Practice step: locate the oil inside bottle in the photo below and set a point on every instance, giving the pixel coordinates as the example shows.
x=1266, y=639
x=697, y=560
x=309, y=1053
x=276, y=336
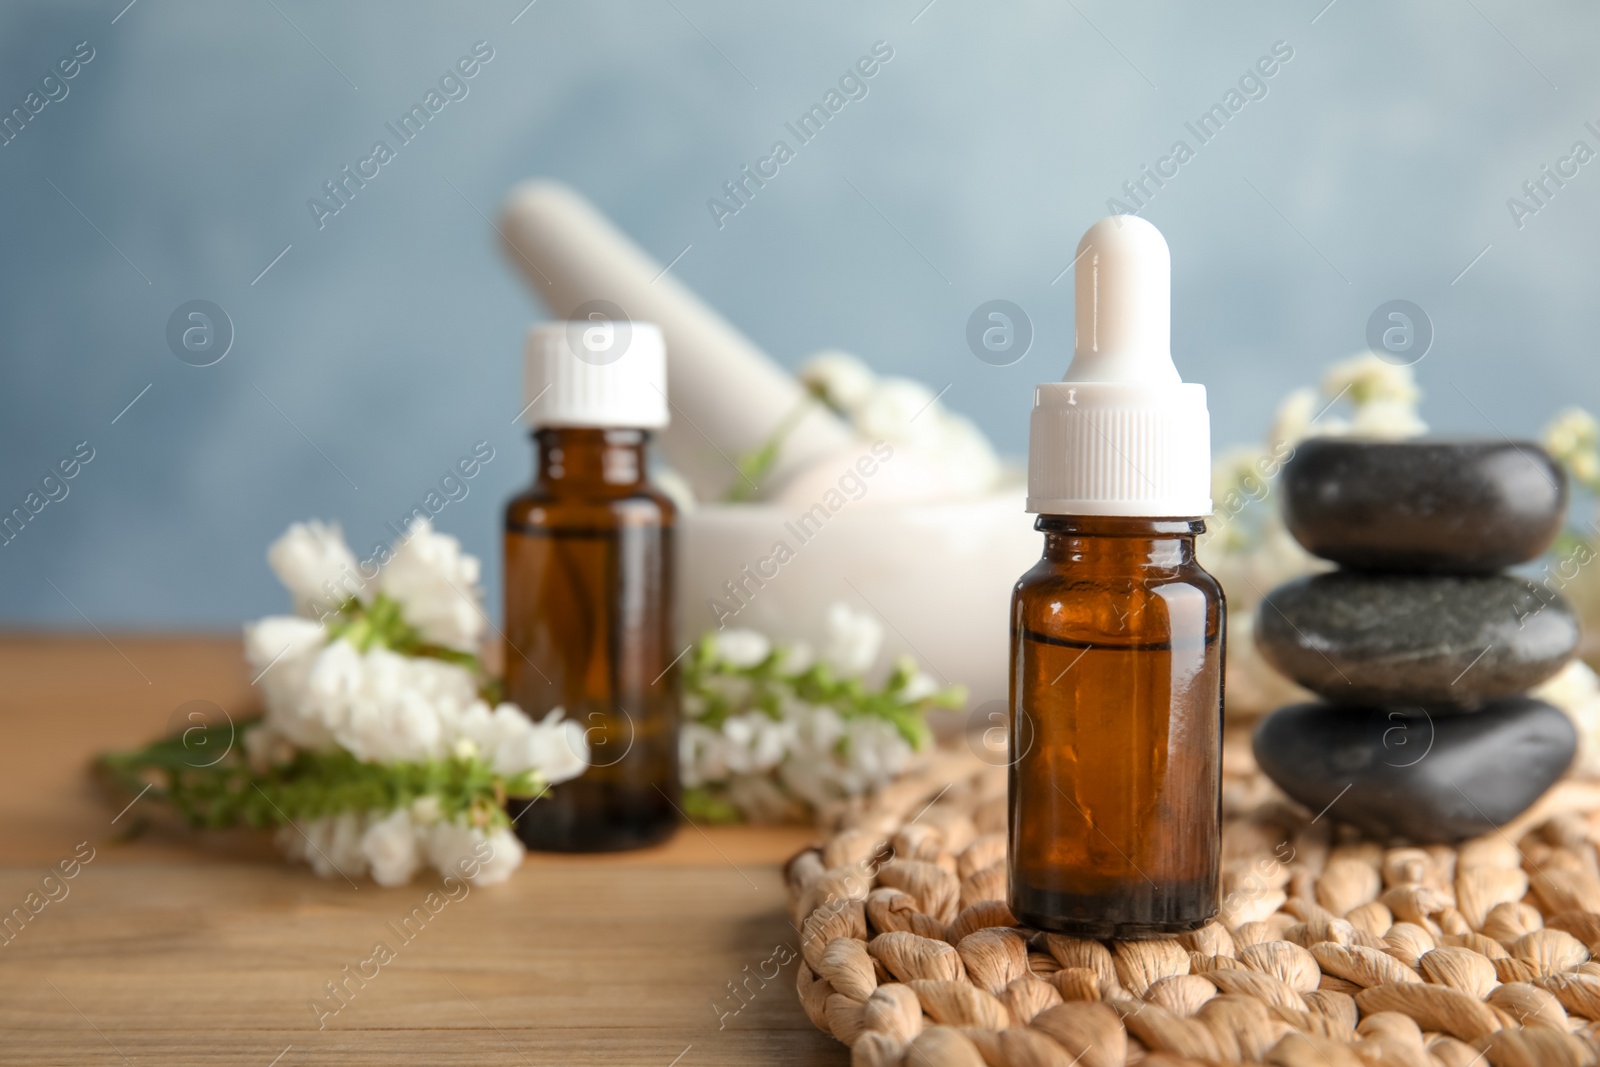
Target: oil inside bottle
x=1116, y=732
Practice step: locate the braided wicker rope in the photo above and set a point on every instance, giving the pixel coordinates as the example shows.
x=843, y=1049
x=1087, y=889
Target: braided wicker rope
x=1330, y=951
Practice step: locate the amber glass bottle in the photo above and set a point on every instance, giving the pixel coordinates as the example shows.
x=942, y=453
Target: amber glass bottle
x=1117, y=633
x=588, y=610
x=1117, y=646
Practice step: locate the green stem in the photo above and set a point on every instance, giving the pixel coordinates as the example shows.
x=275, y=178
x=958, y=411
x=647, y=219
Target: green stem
x=216, y=794
x=756, y=464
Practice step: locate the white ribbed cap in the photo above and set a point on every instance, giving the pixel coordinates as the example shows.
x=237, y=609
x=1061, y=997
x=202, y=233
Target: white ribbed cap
x=595, y=373
x=1122, y=434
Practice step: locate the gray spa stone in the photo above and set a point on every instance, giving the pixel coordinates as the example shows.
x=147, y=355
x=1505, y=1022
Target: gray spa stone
x=1465, y=507
x=1438, y=641
x=1428, y=779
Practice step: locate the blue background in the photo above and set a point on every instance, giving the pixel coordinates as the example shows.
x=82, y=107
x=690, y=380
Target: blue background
x=379, y=348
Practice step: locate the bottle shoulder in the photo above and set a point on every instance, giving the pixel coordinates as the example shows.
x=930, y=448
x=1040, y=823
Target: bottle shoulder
x=1050, y=577
x=1076, y=602
x=644, y=505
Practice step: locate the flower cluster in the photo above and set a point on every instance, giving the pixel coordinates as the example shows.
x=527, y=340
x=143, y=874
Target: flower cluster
x=381, y=746
x=392, y=847
x=907, y=414
x=1383, y=404
x=774, y=734
x=1573, y=438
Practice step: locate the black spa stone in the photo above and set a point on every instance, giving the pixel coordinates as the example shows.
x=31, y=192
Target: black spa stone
x=1429, y=779
x=1464, y=507
x=1438, y=641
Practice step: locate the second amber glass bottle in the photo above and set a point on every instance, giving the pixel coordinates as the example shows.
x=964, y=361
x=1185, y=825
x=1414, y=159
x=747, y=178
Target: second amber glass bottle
x=1115, y=827
x=588, y=587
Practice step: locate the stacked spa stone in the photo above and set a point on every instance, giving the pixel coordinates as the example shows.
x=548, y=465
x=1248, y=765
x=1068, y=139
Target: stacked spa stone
x=1420, y=646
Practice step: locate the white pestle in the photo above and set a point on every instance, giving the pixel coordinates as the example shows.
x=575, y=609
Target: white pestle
x=727, y=396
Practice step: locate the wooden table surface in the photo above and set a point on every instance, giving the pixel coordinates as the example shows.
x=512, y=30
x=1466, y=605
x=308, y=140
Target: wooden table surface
x=175, y=949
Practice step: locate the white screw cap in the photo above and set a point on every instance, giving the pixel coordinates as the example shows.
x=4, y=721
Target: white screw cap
x=595, y=373
x=1122, y=434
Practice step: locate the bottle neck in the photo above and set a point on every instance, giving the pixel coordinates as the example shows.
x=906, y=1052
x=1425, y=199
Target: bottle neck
x=1119, y=540
x=589, y=461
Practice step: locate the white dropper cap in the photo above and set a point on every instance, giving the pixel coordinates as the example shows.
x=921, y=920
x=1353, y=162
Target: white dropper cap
x=595, y=373
x=1122, y=434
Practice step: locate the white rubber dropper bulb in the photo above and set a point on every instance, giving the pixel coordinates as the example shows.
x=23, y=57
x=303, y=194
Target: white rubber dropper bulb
x=1123, y=326
x=1122, y=433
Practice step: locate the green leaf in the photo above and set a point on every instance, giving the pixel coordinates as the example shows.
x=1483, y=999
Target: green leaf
x=382, y=624
x=756, y=464
x=228, y=792
x=701, y=805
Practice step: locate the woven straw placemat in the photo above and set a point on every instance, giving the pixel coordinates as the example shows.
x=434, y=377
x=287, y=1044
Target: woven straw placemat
x=1330, y=951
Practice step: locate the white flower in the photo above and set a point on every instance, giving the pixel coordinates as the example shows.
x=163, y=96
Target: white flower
x=437, y=586
x=318, y=568
x=331, y=845
x=797, y=657
x=281, y=650
x=425, y=810
x=817, y=727
x=511, y=743
x=1572, y=430
x=740, y=731
x=755, y=742
x=1573, y=438
x=402, y=709
x=456, y=848
x=950, y=454
x=843, y=381
x=390, y=847
x=1367, y=378
x=702, y=754
x=1293, y=422
x=740, y=648
x=771, y=743
x=774, y=755
x=277, y=637
x=505, y=857
x=448, y=845
x=384, y=707
x=310, y=842
x=920, y=686
x=1389, y=419
x=875, y=752
x=853, y=640
x=344, y=845
x=835, y=758
x=895, y=411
